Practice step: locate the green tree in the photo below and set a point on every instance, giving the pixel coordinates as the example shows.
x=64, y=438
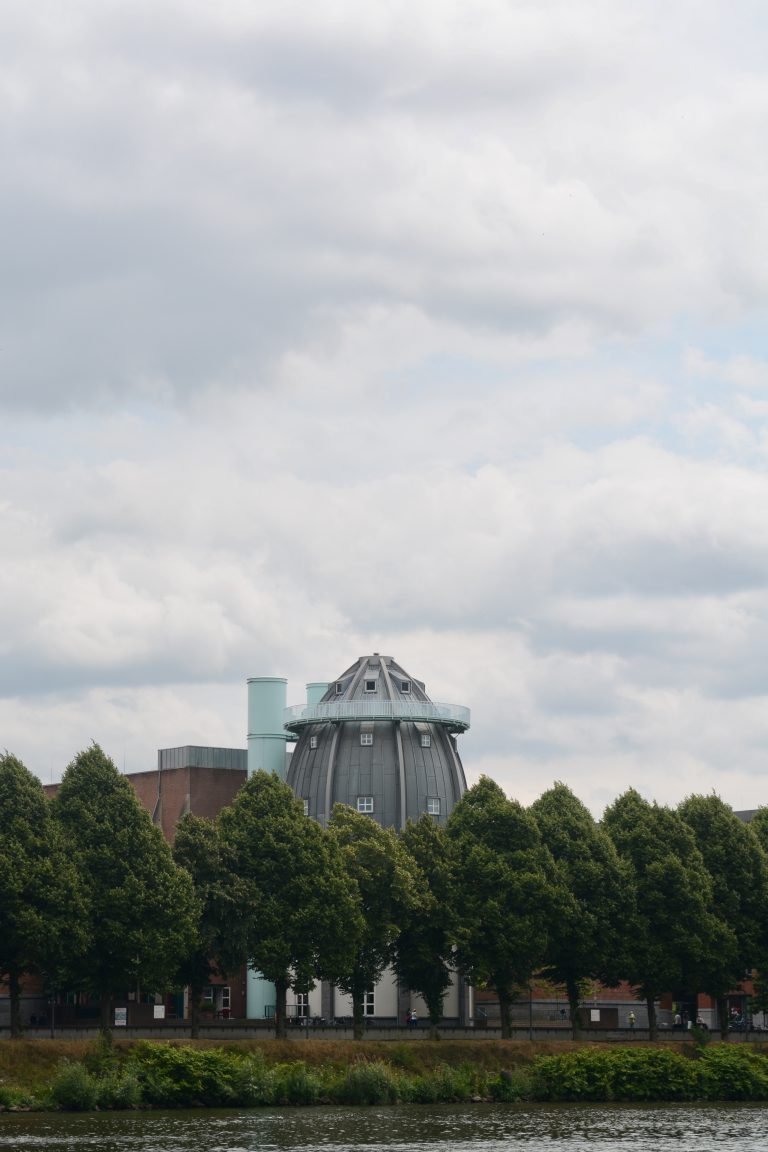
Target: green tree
x=738, y=867
x=39, y=896
x=507, y=890
x=210, y=951
x=296, y=917
x=673, y=935
x=139, y=905
x=425, y=945
x=389, y=888
x=759, y=827
x=587, y=932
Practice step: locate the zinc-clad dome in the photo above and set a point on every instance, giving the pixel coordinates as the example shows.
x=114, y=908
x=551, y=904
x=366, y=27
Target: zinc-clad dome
x=377, y=742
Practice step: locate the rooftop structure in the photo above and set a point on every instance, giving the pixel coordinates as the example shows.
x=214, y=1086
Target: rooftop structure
x=373, y=739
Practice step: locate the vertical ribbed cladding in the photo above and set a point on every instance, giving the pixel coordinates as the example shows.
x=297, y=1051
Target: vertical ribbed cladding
x=398, y=769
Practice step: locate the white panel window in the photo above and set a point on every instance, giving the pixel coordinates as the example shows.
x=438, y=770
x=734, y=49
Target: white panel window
x=426, y=740
x=365, y=803
x=226, y=998
x=370, y=685
x=366, y=739
x=369, y=1003
x=208, y=996
x=433, y=805
x=302, y=1005
x=306, y=807
x=313, y=741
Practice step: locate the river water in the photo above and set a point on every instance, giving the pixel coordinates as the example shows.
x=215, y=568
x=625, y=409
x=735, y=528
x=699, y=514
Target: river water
x=445, y=1128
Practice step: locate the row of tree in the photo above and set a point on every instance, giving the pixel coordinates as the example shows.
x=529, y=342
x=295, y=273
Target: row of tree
x=92, y=897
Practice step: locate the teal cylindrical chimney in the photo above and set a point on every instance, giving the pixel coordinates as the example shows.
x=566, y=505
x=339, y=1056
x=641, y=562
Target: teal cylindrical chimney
x=266, y=735
x=266, y=752
x=315, y=692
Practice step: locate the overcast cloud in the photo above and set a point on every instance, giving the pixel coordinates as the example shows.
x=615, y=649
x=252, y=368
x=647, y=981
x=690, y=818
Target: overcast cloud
x=434, y=329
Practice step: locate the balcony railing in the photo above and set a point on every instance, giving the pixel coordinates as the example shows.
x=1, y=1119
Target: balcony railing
x=453, y=716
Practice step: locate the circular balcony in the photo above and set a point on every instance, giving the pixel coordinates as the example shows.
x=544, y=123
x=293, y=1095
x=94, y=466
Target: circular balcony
x=452, y=716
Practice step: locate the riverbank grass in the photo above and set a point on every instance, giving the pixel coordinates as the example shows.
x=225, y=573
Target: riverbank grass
x=154, y=1074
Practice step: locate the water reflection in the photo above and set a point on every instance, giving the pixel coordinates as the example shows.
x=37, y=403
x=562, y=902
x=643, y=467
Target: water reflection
x=447, y=1128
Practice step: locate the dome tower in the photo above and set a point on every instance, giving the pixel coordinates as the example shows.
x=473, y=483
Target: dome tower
x=375, y=741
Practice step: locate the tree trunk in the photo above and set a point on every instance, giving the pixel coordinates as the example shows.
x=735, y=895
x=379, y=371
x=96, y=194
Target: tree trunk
x=573, y=1006
x=281, y=997
x=723, y=1018
x=434, y=1015
x=652, y=1026
x=358, y=1020
x=195, y=995
x=505, y=1012
x=14, y=990
x=107, y=1016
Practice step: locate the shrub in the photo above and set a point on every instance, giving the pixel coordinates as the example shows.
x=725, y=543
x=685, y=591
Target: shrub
x=296, y=1084
x=582, y=1075
x=368, y=1083
x=442, y=1085
x=74, y=1089
x=118, y=1090
x=653, y=1074
x=253, y=1084
x=731, y=1073
x=616, y=1074
x=510, y=1086
x=181, y=1077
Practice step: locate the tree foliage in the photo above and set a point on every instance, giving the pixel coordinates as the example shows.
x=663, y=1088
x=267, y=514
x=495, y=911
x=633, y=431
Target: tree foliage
x=738, y=869
x=424, y=955
x=387, y=883
x=210, y=951
x=587, y=932
x=296, y=917
x=507, y=889
x=40, y=922
x=139, y=907
x=673, y=935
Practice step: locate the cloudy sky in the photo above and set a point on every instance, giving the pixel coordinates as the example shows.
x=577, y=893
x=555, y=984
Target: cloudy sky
x=434, y=328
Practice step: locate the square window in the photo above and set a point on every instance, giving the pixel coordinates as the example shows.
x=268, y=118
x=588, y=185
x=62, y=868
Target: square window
x=433, y=805
x=306, y=807
x=366, y=739
x=370, y=685
x=313, y=741
x=405, y=686
x=365, y=803
x=426, y=740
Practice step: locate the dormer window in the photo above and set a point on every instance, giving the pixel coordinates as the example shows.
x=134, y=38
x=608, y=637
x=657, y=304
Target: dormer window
x=370, y=685
x=405, y=686
x=339, y=687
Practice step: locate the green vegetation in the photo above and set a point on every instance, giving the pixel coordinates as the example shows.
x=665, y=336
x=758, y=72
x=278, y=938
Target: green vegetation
x=139, y=908
x=249, y=1075
x=92, y=899
x=507, y=888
